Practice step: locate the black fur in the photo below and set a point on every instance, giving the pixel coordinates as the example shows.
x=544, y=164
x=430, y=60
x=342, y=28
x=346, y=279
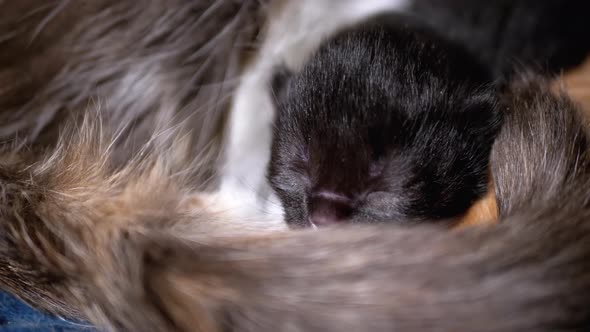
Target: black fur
x=508, y=35
x=387, y=121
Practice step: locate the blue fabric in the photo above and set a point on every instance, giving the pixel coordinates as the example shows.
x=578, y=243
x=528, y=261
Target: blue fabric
x=16, y=316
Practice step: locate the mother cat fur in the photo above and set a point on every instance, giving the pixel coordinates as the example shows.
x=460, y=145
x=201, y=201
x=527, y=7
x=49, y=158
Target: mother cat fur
x=121, y=237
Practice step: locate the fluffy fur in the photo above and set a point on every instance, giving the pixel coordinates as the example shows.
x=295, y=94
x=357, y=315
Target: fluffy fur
x=102, y=221
x=530, y=272
x=148, y=66
x=134, y=258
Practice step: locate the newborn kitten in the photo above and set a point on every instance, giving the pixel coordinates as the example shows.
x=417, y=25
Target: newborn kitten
x=504, y=35
x=386, y=122
x=293, y=30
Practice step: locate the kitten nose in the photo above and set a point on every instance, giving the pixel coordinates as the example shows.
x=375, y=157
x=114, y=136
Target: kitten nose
x=326, y=211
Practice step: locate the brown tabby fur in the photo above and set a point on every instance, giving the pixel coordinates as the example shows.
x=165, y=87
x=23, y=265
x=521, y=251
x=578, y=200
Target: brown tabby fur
x=105, y=223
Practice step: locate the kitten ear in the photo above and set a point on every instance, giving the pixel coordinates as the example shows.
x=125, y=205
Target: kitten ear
x=279, y=82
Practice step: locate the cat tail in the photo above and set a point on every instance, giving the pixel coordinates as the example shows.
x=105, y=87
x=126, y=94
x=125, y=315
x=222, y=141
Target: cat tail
x=64, y=213
x=530, y=272
x=118, y=247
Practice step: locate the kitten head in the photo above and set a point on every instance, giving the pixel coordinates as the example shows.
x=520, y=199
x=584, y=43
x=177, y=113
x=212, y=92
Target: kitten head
x=382, y=125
